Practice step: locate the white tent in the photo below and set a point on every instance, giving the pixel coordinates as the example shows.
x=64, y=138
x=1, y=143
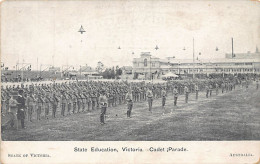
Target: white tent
x=169, y=74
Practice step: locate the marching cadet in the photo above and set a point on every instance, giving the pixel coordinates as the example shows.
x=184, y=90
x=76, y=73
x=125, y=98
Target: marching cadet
x=54, y=105
x=186, y=91
x=47, y=106
x=63, y=103
x=257, y=84
x=207, y=91
x=103, y=106
x=150, y=99
x=129, y=99
x=217, y=87
x=21, y=107
x=39, y=107
x=196, y=90
x=30, y=104
x=163, y=100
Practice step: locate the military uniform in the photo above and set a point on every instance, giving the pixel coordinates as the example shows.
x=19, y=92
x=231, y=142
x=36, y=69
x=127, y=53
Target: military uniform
x=163, y=93
x=207, y=91
x=103, y=106
x=54, y=105
x=186, y=91
x=176, y=94
x=21, y=109
x=39, y=107
x=63, y=104
x=30, y=104
x=197, y=91
x=129, y=99
x=150, y=99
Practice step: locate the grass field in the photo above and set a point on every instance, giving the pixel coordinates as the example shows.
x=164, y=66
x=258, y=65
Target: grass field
x=230, y=116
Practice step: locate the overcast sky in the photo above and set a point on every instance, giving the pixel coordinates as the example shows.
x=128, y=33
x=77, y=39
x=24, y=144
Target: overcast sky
x=31, y=30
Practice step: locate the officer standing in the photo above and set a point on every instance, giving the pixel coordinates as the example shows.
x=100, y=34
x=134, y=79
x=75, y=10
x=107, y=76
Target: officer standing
x=257, y=84
x=210, y=89
x=207, y=91
x=217, y=87
x=163, y=99
x=197, y=91
x=21, y=108
x=103, y=106
x=129, y=99
x=150, y=99
x=186, y=91
x=175, y=94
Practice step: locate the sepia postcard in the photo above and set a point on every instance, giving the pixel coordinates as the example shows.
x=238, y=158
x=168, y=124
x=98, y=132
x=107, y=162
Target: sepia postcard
x=126, y=81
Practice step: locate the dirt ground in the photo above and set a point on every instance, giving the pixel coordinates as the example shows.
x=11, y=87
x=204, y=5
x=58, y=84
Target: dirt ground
x=233, y=115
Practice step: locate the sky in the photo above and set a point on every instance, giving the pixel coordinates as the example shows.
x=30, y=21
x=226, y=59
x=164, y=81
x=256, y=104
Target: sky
x=47, y=31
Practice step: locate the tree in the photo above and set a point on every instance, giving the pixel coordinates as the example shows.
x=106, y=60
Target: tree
x=100, y=67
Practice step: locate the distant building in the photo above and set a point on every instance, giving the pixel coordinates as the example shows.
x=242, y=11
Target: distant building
x=247, y=55
x=87, y=70
x=54, y=69
x=153, y=67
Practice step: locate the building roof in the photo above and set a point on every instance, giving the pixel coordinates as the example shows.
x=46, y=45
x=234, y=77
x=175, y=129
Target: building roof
x=220, y=60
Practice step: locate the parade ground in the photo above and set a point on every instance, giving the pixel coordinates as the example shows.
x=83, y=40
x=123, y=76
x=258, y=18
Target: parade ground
x=230, y=116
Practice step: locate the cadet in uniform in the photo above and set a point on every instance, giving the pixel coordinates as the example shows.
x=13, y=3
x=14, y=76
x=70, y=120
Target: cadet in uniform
x=74, y=100
x=176, y=94
x=54, y=105
x=150, y=99
x=47, y=106
x=63, y=103
x=69, y=103
x=197, y=91
x=217, y=87
x=21, y=108
x=39, y=107
x=30, y=104
x=186, y=91
x=103, y=106
x=163, y=100
x=129, y=99
x=207, y=91
x=210, y=90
